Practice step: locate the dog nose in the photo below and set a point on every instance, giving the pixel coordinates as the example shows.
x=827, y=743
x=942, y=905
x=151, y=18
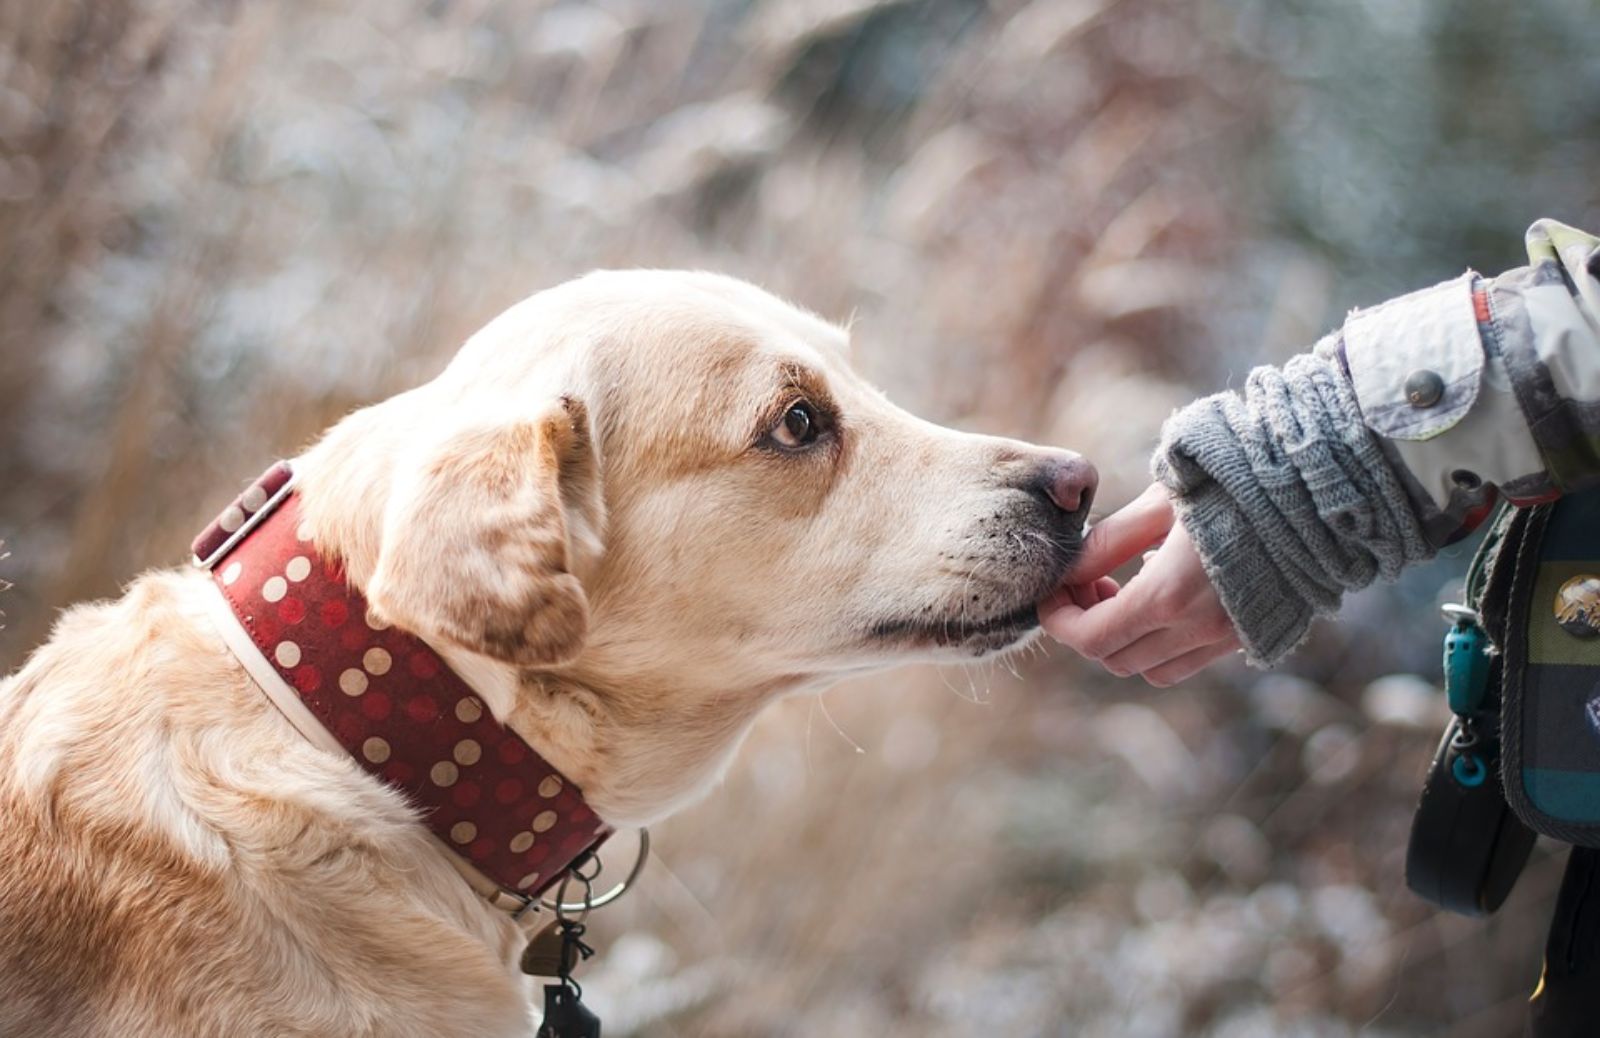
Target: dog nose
x=1069, y=481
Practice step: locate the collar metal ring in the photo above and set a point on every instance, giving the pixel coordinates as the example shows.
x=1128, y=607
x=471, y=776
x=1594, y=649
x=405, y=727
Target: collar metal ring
x=573, y=907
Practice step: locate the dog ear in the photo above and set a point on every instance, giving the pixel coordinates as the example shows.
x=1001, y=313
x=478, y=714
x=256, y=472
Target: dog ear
x=477, y=541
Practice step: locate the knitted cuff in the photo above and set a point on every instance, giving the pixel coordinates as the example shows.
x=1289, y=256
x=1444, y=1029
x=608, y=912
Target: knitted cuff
x=1288, y=498
x=1272, y=619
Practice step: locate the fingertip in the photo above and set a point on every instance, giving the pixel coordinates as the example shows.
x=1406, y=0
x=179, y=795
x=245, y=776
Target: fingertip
x=1057, y=618
x=1123, y=535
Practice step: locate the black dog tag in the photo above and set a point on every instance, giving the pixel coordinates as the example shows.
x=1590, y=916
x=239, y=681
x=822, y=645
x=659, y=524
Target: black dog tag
x=565, y=1015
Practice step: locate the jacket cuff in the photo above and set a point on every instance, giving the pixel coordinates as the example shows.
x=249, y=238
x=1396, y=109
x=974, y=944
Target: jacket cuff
x=1416, y=362
x=1431, y=379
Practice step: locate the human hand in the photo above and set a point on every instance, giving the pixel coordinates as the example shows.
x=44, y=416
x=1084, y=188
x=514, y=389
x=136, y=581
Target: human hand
x=1166, y=624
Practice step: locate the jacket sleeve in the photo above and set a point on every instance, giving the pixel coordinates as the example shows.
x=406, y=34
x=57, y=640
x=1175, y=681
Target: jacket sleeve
x=1483, y=385
x=1394, y=436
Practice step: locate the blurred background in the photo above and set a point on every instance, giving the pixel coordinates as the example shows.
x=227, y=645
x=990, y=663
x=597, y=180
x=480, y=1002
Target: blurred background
x=226, y=224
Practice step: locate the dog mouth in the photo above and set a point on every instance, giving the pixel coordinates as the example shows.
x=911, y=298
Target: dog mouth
x=979, y=620
x=979, y=634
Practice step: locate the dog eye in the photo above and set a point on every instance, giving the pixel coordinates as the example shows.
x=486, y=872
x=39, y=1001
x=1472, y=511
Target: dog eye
x=798, y=428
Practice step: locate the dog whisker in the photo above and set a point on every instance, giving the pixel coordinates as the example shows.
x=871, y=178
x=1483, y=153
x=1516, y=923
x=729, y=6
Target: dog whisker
x=823, y=703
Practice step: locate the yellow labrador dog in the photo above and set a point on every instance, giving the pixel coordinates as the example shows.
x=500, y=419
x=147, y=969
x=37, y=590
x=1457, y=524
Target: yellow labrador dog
x=634, y=510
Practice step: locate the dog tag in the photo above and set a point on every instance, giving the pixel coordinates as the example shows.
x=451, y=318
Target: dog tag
x=565, y=1015
x=548, y=954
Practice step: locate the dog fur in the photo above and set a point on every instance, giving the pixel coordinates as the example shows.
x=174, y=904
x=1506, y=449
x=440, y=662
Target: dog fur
x=588, y=515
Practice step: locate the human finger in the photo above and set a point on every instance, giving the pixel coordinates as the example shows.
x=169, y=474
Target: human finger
x=1086, y=596
x=1083, y=596
x=1101, y=630
x=1123, y=534
x=1191, y=663
x=1160, y=646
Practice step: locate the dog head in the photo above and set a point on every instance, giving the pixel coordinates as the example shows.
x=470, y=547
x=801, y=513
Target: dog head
x=668, y=490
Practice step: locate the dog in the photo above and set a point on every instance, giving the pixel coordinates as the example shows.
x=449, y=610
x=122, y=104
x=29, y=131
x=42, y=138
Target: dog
x=632, y=511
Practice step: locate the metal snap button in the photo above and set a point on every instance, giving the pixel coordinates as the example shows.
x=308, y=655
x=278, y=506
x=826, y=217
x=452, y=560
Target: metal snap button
x=1578, y=606
x=1424, y=388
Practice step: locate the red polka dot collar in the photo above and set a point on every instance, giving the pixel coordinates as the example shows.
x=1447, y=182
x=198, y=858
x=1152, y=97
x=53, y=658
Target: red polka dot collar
x=351, y=683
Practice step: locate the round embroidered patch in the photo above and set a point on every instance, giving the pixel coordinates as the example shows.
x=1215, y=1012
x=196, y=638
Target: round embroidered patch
x=1578, y=606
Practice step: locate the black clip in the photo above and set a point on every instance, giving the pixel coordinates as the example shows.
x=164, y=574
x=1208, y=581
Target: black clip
x=565, y=1015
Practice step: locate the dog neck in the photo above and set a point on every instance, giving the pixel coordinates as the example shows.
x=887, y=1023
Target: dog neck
x=644, y=751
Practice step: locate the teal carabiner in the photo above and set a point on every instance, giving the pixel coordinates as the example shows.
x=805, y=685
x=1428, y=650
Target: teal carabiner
x=1466, y=661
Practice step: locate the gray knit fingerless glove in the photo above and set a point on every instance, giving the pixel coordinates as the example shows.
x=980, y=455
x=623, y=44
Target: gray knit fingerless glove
x=1288, y=498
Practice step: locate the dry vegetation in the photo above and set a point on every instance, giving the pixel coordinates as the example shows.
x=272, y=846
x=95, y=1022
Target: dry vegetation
x=225, y=224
